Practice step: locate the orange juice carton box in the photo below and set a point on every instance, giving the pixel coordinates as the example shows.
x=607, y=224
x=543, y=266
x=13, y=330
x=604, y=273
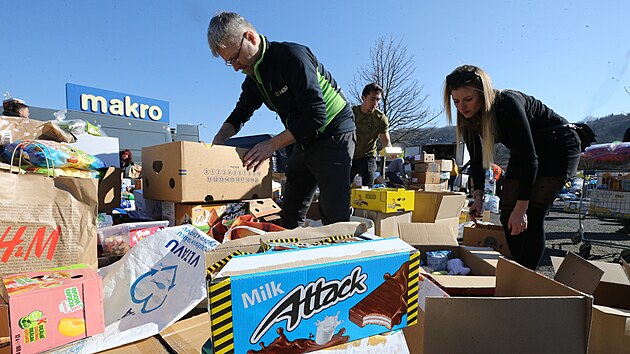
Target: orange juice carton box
x=53, y=307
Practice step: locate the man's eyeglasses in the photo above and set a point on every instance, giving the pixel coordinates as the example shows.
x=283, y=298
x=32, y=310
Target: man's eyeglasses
x=461, y=78
x=231, y=60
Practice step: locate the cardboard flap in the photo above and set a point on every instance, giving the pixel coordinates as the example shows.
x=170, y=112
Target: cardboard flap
x=613, y=272
x=516, y=280
x=613, y=311
x=465, y=281
x=263, y=207
x=578, y=273
x=450, y=205
x=626, y=268
x=506, y=325
x=427, y=234
x=189, y=335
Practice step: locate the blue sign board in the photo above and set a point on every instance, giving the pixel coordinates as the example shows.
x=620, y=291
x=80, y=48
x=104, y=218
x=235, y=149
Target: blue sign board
x=93, y=100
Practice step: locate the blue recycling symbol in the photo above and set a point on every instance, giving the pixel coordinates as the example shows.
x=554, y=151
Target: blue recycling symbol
x=151, y=288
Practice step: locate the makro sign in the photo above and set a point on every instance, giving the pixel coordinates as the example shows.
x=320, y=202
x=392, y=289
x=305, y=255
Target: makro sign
x=93, y=100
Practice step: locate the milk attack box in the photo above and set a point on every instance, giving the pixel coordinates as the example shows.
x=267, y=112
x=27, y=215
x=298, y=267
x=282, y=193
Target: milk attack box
x=308, y=299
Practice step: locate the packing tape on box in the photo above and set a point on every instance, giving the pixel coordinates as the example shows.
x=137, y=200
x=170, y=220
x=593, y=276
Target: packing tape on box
x=412, y=289
x=221, y=311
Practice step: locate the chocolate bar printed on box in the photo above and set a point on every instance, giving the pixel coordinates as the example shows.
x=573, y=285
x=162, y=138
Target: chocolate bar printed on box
x=387, y=304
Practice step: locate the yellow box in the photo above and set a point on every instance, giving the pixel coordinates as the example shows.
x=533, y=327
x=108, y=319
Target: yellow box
x=385, y=200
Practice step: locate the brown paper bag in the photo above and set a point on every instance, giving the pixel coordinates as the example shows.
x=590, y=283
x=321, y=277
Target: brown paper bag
x=46, y=222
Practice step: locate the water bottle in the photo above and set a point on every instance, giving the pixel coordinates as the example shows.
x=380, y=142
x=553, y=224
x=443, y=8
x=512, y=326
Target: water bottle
x=358, y=181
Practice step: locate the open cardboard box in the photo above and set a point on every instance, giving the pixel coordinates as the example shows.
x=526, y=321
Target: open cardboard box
x=360, y=289
x=610, y=331
x=432, y=206
x=529, y=313
x=487, y=235
x=481, y=261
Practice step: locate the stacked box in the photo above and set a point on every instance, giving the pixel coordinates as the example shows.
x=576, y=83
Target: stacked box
x=422, y=158
x=385, y=200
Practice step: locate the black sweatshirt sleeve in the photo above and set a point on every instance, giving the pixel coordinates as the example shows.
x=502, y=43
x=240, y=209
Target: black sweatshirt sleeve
x=247, y=103
x=473, y=144
x=514, y=124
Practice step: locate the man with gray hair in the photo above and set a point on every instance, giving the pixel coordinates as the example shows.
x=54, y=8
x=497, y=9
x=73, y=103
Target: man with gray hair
x=289, y=80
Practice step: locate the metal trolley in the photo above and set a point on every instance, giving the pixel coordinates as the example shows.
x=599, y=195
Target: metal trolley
x=605, y=194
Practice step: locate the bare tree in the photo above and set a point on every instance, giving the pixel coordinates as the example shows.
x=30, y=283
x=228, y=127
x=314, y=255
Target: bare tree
x=403, y=102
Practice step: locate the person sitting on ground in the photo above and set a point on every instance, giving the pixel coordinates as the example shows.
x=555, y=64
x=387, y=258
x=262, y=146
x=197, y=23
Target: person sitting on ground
x=396, y=170
x=14, y=107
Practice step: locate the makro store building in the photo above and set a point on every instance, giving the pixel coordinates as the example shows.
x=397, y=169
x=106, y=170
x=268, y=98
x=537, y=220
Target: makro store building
x=135, y=120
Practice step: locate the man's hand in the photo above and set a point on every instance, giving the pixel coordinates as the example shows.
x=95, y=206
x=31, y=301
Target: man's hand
x=259, y=153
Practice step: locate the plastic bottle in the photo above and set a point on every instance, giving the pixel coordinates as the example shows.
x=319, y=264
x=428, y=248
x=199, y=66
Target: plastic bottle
x=358, y=181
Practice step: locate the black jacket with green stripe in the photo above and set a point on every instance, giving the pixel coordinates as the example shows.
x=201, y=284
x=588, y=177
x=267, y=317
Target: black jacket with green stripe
x=290, y=81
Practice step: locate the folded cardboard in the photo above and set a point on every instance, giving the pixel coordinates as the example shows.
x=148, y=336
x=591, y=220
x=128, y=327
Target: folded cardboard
x=315, y=297
x=186, y=171
x=487, y=235
x=109, y=187
x=440, y=237
x=432, y=206
x=188, y=335
x=385, y=224
x=529, y=313
x=610, y=285
x=51, y=308
x=385, y=200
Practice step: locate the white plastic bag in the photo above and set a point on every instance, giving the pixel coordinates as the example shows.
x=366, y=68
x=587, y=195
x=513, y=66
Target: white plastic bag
x=491, y=203
x=156, y=283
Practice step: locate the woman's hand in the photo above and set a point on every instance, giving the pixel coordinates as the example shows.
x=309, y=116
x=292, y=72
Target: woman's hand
x=475, y=209
x=517, y=223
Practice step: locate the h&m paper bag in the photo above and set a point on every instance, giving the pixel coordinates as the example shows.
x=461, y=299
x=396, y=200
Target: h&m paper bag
x=46, y=222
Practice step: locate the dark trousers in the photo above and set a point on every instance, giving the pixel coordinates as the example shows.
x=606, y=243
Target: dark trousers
x=366, y=168
x=394, y=179
x=325, y=164
x=558, y=157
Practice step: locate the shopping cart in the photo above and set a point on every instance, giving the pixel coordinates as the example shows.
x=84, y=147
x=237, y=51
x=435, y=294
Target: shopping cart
x=605, y=194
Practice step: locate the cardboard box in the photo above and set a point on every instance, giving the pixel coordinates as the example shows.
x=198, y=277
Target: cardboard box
x=529, y=313
x=109, y=189
x=149, y=207
x=291, y=296
x=51, y=308
x=185, y=171
x=422, y=158
x=445, y=165
x=385, y=224
x=487, y=235
x=432, y=206
x=425, y=178
x=426, y=167
x=431, y=187
x=385, y=200
x=610, y=285
x=438, y=237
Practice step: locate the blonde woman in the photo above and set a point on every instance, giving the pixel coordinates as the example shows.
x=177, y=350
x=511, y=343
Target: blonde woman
x=544, y=152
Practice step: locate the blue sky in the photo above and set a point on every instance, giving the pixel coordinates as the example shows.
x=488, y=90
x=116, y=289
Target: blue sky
x=573, y=55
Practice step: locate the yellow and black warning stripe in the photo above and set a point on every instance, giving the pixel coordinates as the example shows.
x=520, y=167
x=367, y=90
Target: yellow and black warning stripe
x=412, y=288
x=333, y=239
x=217, y=265
x=284, y=240
x=220, y=294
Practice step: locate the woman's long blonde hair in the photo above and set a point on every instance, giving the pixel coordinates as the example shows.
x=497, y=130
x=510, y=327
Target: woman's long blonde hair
x=477, y=79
